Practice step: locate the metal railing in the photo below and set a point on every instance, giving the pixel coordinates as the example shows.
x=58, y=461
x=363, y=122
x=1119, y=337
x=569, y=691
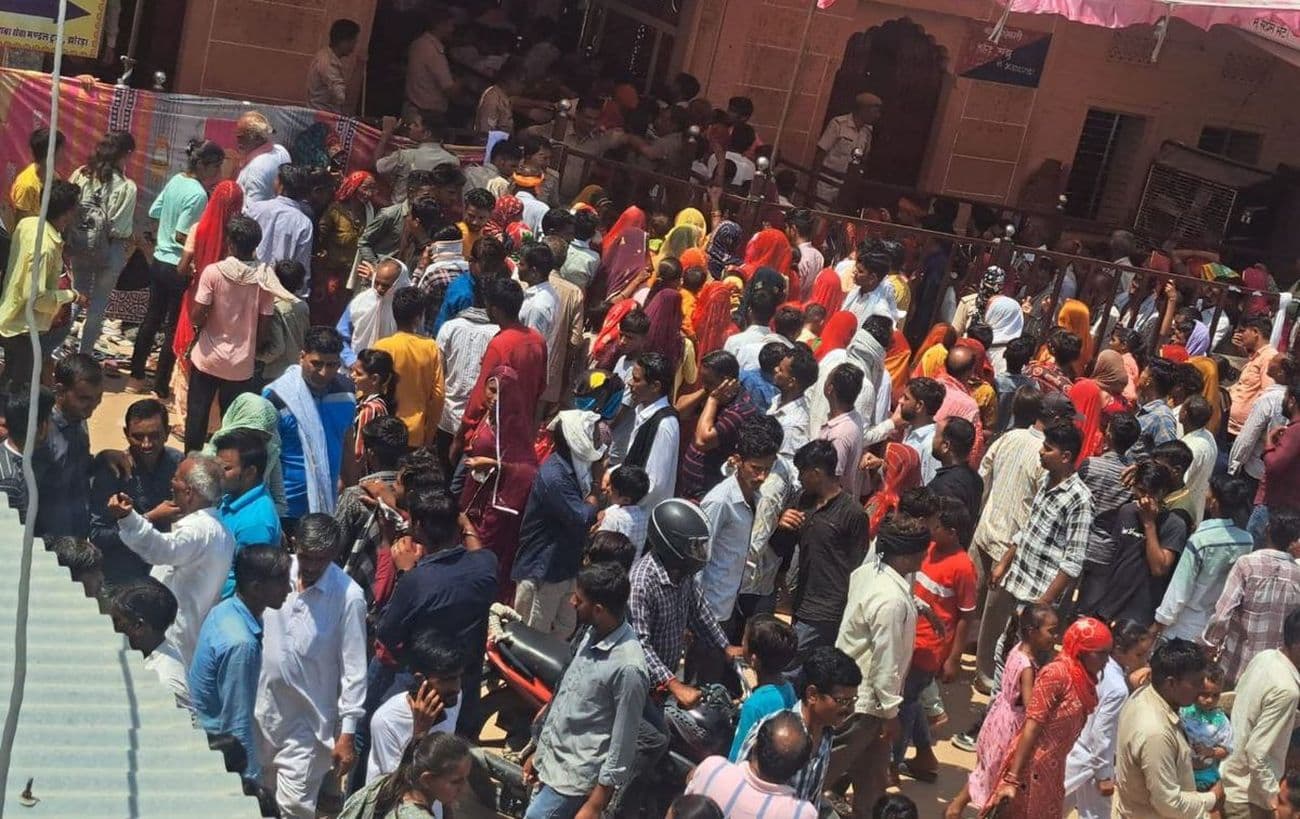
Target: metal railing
x=966, y=258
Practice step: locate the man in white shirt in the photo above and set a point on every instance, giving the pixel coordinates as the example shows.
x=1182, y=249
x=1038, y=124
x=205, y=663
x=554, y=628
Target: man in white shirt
x=1195, y=414
x=871, y=295
x=1262, y=716
x=799, y=225
x=431, y=707
x=794, y=376
x=528, y=180
x=729, y=508
x=191, y=560
x=143, y=610
x=748, y=343
x=878, y=631
x=313, y=682
x=541, y=310
x=742, y=139
x=462, y=342
x=656, y=433
x=915, y=412
x=262, y=157
x=327, y=78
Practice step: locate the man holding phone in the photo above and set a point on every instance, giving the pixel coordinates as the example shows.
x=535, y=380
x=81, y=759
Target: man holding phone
x=430, y=705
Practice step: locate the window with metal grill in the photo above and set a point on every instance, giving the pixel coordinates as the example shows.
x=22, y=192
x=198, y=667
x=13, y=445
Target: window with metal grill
x=1103, y=161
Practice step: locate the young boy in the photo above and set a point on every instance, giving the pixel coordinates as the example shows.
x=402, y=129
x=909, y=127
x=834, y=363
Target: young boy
x=610, y=547
x=769, y=645
x=814, y=321
x=1208, y=730
x=625, y=487
x=947, y=586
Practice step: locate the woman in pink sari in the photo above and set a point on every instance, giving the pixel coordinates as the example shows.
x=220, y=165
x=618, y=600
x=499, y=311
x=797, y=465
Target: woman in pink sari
x=500, y=464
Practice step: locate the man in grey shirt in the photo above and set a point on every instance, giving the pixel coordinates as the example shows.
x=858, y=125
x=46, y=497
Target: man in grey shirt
x=587, y=744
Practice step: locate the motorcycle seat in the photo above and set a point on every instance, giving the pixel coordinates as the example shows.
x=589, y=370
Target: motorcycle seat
x=538, y=654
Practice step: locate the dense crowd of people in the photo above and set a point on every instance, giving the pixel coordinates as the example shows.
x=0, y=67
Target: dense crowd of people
x=409, y=394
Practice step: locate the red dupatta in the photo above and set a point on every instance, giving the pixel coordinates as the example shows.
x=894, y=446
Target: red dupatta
x=227, y=200
x=712, y=316
x=827, y=290
x=769, y=248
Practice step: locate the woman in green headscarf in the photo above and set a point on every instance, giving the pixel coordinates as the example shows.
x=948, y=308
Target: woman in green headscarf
x=252, y=411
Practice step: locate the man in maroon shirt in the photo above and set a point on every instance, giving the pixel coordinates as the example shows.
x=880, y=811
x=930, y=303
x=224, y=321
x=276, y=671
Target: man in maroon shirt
x=1281, y=465
x=514, y=345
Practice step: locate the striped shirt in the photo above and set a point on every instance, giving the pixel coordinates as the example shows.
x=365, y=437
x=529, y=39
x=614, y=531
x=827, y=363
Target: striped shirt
x=735, y=788
x=1158, y=424
x=807, y=782
x=1101, y=474
x=1199, y=577
x=661, y=611
x=1054, y=539
x=1262, y=588
x=1010, y=470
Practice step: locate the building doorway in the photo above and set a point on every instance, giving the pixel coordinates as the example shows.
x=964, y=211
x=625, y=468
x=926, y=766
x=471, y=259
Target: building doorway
x=1103, y=166
x=898, y=62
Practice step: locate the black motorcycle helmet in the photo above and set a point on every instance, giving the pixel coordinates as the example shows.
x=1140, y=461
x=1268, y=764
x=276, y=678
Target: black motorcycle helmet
x=679, y=534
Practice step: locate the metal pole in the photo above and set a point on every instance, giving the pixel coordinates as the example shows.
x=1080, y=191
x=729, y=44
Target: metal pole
x=794, y=79
x=128, y=59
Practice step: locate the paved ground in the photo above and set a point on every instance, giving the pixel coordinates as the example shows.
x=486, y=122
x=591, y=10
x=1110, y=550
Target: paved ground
x=106, y=431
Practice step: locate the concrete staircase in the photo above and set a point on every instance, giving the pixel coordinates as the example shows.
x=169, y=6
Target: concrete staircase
x=98, y=733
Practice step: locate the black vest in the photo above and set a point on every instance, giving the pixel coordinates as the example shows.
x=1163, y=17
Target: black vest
x=644, y=440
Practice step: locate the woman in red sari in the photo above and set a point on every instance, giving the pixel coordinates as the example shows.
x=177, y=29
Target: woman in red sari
x=1032, y=783
x=769, y=248
x=624, y=255
x=837, y=333
x=901, y=472
x=827, y=290
x=1086, y=395
x=711, y=318
x=500, y=464
x=209, y=239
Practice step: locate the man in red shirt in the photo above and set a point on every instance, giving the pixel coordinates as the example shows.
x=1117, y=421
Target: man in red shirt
x=946, y=583
x=514, y=345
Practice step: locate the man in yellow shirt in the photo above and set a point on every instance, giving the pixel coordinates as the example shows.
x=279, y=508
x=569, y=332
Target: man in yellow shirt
x=418, y=364
x=25, y=193
x=50, y=298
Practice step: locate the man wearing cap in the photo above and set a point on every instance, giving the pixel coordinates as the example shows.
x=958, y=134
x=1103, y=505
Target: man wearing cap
x=877, y=631
x=843, y=135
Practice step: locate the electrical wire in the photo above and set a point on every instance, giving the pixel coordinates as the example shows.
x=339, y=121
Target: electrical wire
x=19, y=684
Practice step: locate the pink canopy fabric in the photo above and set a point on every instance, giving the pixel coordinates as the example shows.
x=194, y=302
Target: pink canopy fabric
x=1275, y=19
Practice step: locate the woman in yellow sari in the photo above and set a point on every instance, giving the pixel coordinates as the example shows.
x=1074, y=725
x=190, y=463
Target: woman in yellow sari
x=692, y=217
x=933, y=352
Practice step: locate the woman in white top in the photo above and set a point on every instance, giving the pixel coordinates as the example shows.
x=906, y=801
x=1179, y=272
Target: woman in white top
x=98, y=239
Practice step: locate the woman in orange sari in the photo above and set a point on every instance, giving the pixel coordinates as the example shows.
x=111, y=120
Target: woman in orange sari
x=1074, y=316
x=932, y=353
x=1210, y=376
x=897, y=359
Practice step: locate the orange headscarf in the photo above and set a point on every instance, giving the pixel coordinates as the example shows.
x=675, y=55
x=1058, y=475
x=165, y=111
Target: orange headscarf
x=1086, y=397
x=902, y=471
x=1210, y=375
x=1074, y=316
x=897, y=357
x=837, y=332
x=769, y=248
x=934, y=338
x=1085, y=635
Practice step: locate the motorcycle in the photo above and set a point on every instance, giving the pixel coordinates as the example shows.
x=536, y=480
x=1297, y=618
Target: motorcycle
x=528, y=664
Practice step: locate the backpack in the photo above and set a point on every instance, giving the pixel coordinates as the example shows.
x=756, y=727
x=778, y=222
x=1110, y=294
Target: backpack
x=90, y=231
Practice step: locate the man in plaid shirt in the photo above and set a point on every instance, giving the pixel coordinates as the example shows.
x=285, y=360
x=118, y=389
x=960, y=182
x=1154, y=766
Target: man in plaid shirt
x=1261, y=588
x=1047, y=554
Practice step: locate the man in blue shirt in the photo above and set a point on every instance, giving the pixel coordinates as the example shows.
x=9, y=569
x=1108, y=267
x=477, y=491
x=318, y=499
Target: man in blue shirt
x=317, y=406
x=228, y=658
x=246, y=508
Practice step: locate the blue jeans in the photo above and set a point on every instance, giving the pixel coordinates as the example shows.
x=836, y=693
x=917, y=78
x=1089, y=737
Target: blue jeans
x=96, y=276
x=548, y=803
x=915, y=728
x=1258, y=526
x=815, y=635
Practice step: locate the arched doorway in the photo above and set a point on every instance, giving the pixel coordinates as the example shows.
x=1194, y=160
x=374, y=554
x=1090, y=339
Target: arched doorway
x=898, y=62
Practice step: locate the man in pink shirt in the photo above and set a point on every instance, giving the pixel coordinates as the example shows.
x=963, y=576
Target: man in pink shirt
x=1253, y=338
x=957, y=400
x=226, y=340
x=750, y=789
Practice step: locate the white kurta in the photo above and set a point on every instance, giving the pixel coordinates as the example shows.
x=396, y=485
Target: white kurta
x=192, y=560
